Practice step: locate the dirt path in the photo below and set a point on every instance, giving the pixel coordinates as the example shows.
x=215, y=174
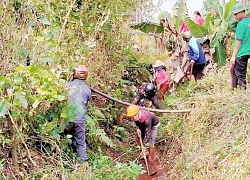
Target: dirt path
x=171, y=150
x=160, y=175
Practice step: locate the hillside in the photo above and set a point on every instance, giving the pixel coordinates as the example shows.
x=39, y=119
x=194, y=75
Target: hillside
x=40, y=45
x=215, y=134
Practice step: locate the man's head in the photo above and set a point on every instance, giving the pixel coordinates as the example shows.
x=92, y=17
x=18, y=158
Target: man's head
x=187, y=36
x=238, y=11
x=150, y=90
x=80, y=72
x=133, y=112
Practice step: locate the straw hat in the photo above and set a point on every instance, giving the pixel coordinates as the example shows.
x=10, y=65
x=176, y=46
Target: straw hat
x=158, y=63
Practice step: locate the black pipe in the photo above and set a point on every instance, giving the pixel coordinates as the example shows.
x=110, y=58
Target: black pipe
x=149, y=109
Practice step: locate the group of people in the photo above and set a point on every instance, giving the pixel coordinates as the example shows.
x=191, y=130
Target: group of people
x=196, y=55
x=241, y=51
x=147, y=122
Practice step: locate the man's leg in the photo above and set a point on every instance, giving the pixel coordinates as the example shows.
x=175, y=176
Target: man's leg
x=155, y=102
x=162, y=91
x=240, y=70
x=69, y=130
x=153, y=134
x=79, y=136
x=233, y=77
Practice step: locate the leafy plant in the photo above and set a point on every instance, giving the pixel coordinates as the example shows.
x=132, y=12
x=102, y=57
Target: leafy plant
x=106, y=169
x=95, y=134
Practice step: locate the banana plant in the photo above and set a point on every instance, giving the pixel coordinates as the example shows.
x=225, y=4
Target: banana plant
x=216, y=26
x=180, y=11
x=168, y=29
x=148, y=27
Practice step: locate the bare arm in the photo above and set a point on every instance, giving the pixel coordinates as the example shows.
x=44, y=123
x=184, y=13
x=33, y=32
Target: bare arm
x=235, y=51
x=137, y=99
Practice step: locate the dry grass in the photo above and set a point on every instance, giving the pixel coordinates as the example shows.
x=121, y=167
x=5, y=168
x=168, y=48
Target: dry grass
x=216, y=133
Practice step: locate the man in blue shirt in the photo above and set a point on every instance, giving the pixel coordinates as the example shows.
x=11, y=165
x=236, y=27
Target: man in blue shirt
x=79, y=95
x=196, y=56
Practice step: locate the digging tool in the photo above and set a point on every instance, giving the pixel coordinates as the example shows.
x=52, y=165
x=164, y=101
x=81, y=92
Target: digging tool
x=145, y=158
x=191, y=71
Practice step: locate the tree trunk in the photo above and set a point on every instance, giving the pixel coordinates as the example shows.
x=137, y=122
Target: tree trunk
x=223, y=2
x=14, y=148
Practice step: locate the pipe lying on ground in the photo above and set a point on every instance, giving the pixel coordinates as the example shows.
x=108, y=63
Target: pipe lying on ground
x=149, y=109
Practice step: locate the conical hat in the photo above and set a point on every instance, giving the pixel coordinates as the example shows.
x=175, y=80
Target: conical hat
x=158, y=63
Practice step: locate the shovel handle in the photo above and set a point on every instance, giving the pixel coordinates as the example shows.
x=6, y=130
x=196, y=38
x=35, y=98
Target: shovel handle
x=144, y=154
x=191, y=72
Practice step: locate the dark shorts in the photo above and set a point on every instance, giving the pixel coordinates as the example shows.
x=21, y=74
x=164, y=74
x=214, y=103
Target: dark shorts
x=197, y=70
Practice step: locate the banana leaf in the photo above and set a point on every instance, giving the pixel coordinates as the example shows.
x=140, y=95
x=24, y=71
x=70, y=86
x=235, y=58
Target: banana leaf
x=220, y=34
x=208, y=24
x=209, y=4
x=164, y=14
x=148, y=27
x=179, y=12
x=196, y=30
x=219, y=9
x=220, y=55
x=227, y=9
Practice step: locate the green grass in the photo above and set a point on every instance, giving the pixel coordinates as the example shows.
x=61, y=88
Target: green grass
x=215, y=135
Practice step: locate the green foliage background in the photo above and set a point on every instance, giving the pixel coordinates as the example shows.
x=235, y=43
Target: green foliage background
x=53, y=37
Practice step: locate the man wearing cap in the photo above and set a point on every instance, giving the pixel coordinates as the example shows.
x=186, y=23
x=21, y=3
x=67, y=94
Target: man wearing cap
x=161, y=78
x=147, y=91
x=241, y=52
x=196, y=57
x=147, y=124
x=79, y=96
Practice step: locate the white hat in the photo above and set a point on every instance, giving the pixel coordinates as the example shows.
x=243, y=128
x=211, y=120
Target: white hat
x=187, y=34
x=158, y=63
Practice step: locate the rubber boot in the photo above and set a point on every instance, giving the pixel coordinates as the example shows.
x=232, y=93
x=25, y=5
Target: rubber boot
x=151, y=154
x=152, y=165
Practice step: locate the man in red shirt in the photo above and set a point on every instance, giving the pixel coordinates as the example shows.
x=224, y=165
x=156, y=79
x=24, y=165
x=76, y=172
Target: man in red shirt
x=147, y=124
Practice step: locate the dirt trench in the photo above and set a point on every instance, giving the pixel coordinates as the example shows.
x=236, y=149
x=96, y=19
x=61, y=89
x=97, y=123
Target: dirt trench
x=165, y=158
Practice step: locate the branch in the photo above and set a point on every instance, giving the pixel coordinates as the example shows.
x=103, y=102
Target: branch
x=25, y=145
x=66, y=20
x=149, y=109
x=64, y=24
x=155, y=35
